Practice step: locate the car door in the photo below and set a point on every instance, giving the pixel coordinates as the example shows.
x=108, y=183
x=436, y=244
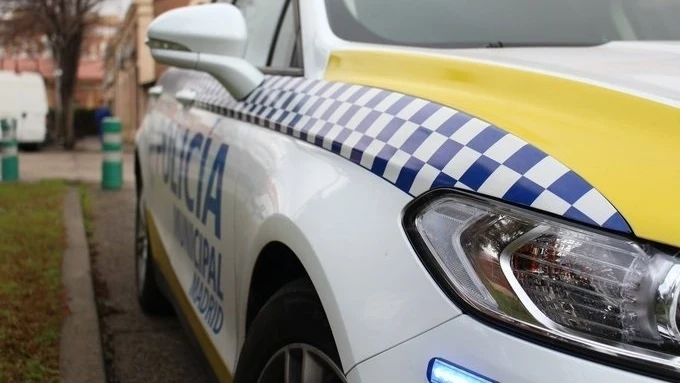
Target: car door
x=201, y=156
x=190, y=197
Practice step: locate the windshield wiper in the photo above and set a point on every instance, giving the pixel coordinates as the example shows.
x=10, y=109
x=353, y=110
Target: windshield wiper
x=501, y=44
x=496, y=44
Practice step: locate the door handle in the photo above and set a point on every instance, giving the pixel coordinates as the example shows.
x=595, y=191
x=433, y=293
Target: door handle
x=186, y=97
x=155, y=91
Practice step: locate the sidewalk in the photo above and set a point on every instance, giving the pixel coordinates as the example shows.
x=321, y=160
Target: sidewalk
x=81, y=358
x=83, y=164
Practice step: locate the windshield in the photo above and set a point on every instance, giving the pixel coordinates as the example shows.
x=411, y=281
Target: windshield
x=497, y=23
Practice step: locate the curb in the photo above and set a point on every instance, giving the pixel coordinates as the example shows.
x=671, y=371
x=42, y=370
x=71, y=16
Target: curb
x=80, y=357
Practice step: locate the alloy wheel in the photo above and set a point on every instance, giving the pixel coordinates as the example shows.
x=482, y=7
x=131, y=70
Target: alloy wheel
x=301, y=363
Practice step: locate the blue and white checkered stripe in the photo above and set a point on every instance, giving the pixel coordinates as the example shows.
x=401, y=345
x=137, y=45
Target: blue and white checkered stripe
x=413, y=143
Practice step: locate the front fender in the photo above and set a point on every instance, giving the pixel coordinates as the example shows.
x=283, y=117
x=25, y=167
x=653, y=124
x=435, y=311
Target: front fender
x=344, y=225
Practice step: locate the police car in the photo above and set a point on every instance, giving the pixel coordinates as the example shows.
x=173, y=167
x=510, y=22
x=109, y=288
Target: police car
x=416, y=191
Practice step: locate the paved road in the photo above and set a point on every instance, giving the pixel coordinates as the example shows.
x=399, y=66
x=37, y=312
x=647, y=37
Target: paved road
x=140, y=349
x=144, y=349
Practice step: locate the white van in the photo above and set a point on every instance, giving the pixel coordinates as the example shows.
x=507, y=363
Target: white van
x=23, y=96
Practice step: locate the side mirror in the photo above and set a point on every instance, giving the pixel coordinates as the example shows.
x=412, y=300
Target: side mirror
x=210, y=38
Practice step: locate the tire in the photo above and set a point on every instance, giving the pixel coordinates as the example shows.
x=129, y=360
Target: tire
x=292, y=326
x=149, y=295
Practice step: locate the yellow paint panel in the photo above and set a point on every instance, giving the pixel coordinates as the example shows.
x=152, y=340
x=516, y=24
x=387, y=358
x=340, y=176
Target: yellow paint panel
x=160, y=256
x=626, y=146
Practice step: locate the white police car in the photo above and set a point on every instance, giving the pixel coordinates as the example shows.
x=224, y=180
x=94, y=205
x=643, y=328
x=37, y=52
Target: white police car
x=417, y=191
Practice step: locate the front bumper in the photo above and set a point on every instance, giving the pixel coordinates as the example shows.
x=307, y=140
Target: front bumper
x=487, y=351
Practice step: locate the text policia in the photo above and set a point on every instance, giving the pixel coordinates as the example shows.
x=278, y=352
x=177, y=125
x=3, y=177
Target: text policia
x=197, y=211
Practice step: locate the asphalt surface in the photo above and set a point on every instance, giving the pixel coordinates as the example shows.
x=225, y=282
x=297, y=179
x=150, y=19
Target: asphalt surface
x=138, y=348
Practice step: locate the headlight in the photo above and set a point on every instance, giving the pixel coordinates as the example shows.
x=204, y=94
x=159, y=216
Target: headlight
x=545, y=277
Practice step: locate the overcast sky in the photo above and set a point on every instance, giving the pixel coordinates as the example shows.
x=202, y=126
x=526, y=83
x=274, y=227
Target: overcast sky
x=115, y=7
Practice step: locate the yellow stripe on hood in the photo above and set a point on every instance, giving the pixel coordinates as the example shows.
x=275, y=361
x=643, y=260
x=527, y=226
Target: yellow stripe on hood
x=626, y=146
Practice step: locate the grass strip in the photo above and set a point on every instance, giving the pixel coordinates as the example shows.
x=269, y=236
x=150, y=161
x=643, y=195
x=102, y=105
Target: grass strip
x=32, y=302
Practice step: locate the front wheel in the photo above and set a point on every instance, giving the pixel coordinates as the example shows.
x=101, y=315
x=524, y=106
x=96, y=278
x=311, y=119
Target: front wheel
x=290, y=341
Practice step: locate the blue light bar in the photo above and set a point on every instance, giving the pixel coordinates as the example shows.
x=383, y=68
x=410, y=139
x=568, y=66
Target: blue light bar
x=441, y=371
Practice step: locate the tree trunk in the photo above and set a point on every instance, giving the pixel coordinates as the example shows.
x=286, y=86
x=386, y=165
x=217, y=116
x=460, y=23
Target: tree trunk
x=69, y=134
x=68, y=59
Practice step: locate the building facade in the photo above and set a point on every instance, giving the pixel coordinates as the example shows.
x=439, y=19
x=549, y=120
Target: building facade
x=33, y=55
x=129, y=68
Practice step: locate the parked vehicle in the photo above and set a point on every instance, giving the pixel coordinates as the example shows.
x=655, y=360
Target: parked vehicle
x=408, y=191
x=23, y=97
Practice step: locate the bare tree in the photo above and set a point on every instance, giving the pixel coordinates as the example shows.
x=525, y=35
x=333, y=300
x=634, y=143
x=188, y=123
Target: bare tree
x=65, y=24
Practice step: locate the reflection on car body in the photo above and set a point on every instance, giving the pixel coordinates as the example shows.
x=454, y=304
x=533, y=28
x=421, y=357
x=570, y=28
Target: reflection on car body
x=374, y=190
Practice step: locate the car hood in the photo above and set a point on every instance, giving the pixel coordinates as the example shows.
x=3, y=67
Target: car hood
x=611, y=113
x=649, y=70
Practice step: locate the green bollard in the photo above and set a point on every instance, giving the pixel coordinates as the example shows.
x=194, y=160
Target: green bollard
x=10, y=159
x=112, y=164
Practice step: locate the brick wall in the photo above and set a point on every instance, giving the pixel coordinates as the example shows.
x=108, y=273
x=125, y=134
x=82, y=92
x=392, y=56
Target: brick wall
x=160, y=6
